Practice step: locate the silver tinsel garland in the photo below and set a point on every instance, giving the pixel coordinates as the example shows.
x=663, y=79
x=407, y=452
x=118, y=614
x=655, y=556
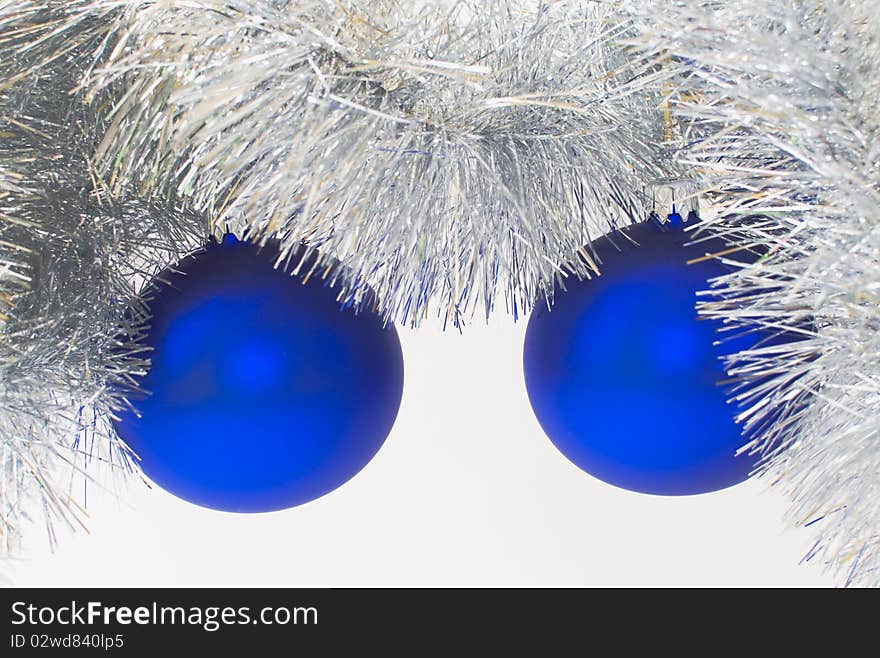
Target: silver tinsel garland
x=446, y=153
x=72, y=261
x=780, y=107
x=440, y=152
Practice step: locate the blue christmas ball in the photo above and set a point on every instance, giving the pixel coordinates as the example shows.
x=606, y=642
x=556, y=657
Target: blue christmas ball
x=623, y=376
x=264, y=391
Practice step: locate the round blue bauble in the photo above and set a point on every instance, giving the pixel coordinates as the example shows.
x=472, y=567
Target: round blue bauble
x=264, y=392
x=623, y=376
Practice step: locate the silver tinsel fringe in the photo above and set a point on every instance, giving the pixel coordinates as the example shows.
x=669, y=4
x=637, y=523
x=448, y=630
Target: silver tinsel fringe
x=72, y=259
x=779, y=103
x=441, y=152
x=448, y=154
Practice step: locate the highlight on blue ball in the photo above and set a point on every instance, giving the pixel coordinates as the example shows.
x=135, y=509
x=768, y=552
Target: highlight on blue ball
x=264, y=392
x=623, y=376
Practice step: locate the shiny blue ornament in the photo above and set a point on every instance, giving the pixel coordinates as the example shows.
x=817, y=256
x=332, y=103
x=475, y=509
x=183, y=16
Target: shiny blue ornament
x=264, y=393
x=625, y=379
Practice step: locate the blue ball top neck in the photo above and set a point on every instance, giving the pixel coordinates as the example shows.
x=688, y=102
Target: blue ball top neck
x=673, y=222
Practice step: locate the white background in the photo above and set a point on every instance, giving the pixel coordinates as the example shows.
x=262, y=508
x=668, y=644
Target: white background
x=466, y=491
